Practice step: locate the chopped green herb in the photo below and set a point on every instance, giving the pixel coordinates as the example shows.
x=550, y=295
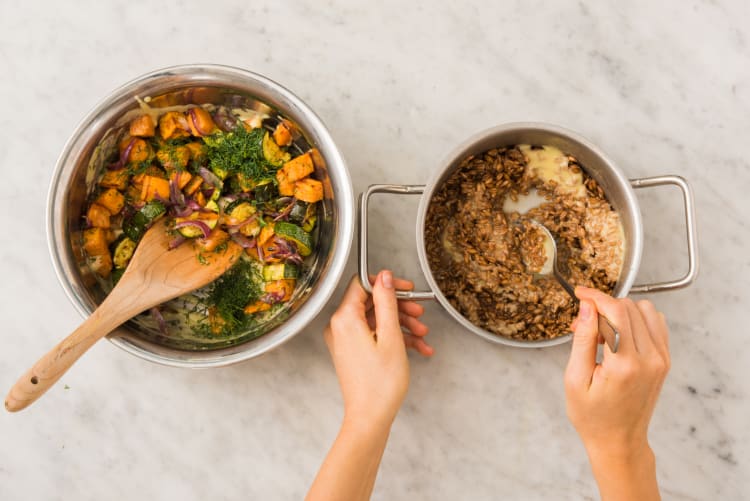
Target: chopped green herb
x=239, y=152
x=233, y=291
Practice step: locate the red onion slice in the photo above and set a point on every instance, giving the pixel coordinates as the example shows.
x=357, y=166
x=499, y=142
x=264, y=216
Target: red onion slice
x=195, y=224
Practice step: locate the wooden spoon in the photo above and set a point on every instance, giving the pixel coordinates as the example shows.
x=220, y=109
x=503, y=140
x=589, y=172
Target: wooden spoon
x=155, y=275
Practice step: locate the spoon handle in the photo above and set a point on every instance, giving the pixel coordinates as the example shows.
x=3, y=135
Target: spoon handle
x=118, y=307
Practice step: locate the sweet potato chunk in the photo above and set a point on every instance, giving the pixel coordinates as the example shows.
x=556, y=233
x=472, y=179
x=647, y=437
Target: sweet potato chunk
x=214, y=240
x=173, y=125
x=115, y=179
x=193, y=185
x=308, y=190
x=256, y=307
x=282, y=136
x=95, y=241
x=282, y=287
x=200, y=122
x=98, y=216
x=266, y=233
x=298, y=168
x=286, y=187
x=143, y=126
x=112, y=200
x=176, y=157
x=153, y=186
x=181, y=178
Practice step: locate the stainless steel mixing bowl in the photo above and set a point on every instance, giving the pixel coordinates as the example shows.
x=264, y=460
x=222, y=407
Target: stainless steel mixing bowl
x=198, y=84
x=618, y=188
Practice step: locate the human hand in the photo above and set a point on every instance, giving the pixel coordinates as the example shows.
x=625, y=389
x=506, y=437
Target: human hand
x=610, y=404
x=368, y=347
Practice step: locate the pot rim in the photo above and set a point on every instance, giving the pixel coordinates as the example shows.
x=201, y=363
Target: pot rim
x=627, y=276
x=326, y=285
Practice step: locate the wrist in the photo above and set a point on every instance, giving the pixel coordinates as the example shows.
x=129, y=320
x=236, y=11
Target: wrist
x=623, y=460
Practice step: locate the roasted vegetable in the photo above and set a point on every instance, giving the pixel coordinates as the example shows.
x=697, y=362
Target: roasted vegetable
x=273, y=154
x=279, y=271
x=265, y=192
x=122, y=251
x=308, y=190
x=112, y=200
x=282, y=136
x=143, y=126
x=298, y=168
x=136, y=225
x=294, y=233
x=298, y=212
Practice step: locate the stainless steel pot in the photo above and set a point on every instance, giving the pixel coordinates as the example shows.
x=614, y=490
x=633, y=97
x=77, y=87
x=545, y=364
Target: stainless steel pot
x=198, y=84
x=618, y=188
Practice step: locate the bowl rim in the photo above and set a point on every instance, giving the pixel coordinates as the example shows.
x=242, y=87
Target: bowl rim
x=326, y=285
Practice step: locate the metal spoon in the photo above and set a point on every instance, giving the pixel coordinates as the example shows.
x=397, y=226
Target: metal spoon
x=606, y=329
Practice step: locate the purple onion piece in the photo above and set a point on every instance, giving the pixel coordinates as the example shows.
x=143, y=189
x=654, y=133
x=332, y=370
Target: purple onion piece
x=157, y=316
x=195, y=224
x=243, y=241
x=210, y=178
x=176, y=242
x=242, y=223
x=224, y=120
x=272, y=297
x=284, y=214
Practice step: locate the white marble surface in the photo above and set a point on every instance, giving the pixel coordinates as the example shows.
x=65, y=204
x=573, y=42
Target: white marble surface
x=663, y=87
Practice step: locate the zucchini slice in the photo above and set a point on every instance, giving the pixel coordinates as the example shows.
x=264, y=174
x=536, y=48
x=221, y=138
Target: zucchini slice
x=279, y=271
x=295, y=234
x=123, y=251
x=136, y=225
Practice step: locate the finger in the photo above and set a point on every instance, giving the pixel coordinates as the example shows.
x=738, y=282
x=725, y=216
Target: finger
x=613, y=310
x=656, y=328
x=418, y=344
x=665, y=326
x=641, y=337
x=386, y=310
x=355, y=296
x=582, y=359
x=400, y=283
x=411, y=308
x=415, y=326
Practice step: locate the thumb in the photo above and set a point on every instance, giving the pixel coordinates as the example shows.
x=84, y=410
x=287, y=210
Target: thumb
x=386, y=309
x=585, y=341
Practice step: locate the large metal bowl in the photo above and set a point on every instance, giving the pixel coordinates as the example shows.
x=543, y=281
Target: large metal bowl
x=618, y=188
x=198, y=84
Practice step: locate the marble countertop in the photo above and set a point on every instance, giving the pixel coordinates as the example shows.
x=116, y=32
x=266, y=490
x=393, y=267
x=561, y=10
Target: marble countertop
x=662, y=87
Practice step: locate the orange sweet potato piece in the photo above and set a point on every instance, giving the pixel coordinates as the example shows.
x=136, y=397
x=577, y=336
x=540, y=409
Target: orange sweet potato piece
x=286, y=187
x=173, y=124
x=265, y=233
x=176, y=157
x=112, y=200
x=215, y=239
x=298, y=168
x=143, y=126
x=95, y=241
x=98, y=216
x=285, y=287
x=153, y=186
x=193, y=185
x=256, y=307
x=181, y=178
x=282, y=136
x=269, y=248
x=197, y=150
x=139, y=152
x=200, y=122
x=308, y=190
x=115, y=179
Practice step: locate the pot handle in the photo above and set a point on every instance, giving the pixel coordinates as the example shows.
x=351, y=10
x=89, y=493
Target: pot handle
x=692, y=247
x=364, y=199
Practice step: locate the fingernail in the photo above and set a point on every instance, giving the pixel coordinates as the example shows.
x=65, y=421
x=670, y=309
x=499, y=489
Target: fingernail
x=387, y=279
x=584, y=312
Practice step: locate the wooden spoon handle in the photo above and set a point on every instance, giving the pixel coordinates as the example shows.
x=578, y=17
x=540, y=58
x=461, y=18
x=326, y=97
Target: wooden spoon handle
x=40, y=378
